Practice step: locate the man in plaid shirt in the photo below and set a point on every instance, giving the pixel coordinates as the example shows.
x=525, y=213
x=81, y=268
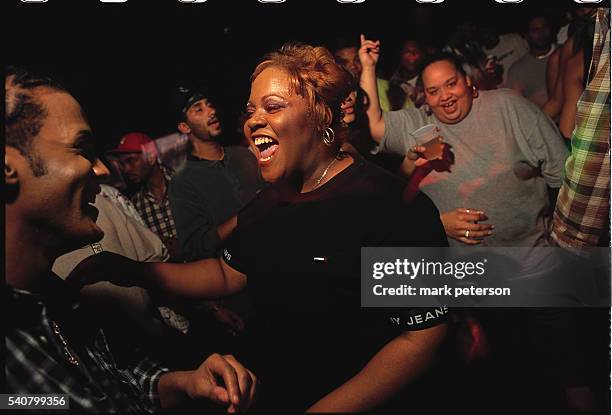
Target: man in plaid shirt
x=139, y=163
x=581, y=217
x=53, y=346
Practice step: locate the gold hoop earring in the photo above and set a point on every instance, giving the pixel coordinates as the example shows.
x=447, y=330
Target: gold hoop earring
x=474, y=92
x=328, y=136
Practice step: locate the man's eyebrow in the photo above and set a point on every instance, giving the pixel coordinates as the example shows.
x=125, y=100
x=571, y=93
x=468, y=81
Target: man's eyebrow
x=199, y=103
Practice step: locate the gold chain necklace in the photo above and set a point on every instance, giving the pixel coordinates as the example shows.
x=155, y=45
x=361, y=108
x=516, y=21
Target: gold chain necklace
x=67, y=353
x=324, y=174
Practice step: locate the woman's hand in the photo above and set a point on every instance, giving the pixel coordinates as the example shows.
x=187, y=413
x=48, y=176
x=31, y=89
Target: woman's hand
x=461, y=225
x=416, y=155
x=412, y=160
x=369, y=52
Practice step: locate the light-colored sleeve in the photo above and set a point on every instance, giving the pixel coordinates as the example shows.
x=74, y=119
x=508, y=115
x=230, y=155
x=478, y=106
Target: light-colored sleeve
x=398, y=126
x=125, y=235
x=514, y=79
x=122, y=202
x=521, y=47
x=539, y=140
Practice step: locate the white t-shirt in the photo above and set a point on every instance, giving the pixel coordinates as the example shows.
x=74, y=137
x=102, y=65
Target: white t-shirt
x=511, y=48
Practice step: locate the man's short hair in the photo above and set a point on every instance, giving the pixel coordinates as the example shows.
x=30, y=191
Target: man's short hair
x=23, y=114
x=538, y=14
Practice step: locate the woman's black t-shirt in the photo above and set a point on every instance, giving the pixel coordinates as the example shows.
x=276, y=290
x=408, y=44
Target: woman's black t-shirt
x=301, y=256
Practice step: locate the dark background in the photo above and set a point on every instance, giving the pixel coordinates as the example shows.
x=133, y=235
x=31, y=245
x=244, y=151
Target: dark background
x=122, y=60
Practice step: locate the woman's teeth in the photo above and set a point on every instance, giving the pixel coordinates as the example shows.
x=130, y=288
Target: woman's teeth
x=262, y=140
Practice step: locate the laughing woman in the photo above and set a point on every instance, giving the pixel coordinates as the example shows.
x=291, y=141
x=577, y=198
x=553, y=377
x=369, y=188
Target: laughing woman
x=297, y=250
x=298, y=245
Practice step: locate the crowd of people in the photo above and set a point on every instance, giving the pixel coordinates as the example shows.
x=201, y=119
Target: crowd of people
x=230, y=282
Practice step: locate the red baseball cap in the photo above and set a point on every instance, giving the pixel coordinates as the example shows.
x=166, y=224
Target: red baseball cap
x=133, y=143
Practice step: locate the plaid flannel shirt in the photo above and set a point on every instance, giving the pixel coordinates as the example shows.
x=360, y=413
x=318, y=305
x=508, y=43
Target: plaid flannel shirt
x=583, y=206
x=158, y=217
x=39, y=343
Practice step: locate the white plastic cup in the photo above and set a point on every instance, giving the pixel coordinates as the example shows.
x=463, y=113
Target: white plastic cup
x=429, y=137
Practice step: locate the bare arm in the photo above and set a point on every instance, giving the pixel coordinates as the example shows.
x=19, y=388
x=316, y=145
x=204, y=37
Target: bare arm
x=572, y=89
x=517, y=86
x=207, y=278
x=369, y=53
x=552, y=71
x=554, y=104
x=411, y=161
x=406, y=168
x=396, y=365
x=226, y=228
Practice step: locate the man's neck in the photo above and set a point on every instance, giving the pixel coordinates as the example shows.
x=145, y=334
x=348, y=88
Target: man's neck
x=208, y=150
x=408, y=75
x=157, y=182
x=21, y=240
x=540, y=52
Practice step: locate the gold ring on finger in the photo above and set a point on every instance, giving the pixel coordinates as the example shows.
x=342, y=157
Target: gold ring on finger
x=467, y=233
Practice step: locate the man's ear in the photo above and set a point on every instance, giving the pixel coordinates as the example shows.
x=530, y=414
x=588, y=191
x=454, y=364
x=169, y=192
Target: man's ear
x=184, y=128
x=11, y=177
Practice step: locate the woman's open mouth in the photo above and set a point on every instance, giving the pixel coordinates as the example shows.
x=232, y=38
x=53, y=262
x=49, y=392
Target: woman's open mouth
x=266, y=147
x=348, y=110
x=450, y=106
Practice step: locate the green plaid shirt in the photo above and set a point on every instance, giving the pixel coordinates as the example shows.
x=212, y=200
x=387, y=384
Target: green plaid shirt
x=583, y=207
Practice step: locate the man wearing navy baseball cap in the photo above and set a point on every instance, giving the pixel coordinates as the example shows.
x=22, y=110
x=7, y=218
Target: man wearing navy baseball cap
x=215, y=182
